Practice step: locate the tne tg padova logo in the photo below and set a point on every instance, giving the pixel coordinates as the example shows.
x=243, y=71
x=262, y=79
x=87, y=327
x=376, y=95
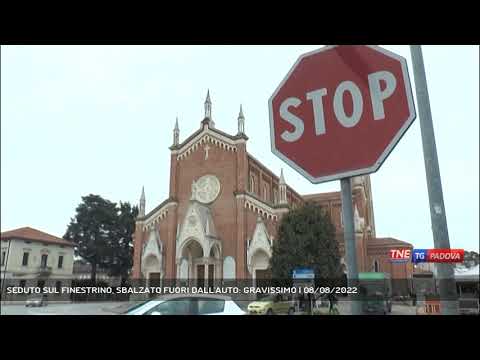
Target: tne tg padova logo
x=427, y=255
x=438, y=255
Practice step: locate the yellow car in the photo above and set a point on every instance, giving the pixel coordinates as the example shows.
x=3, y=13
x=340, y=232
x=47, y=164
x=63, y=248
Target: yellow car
x=271, y=305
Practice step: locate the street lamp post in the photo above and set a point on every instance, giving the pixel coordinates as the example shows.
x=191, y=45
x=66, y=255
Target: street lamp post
x=445, y=273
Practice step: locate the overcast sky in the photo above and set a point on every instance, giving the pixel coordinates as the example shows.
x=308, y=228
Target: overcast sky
x=77, y=120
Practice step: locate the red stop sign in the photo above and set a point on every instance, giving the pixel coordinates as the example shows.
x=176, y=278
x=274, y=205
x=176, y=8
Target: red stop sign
x=340, y=111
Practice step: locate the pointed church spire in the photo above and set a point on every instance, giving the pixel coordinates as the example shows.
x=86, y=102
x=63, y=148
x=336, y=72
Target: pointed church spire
x=208, y=106
x=208, y=97
x=176, y=133
x=208, y=109
x=141, y=210
x=282, y=186
x=241, y=121
x=282, y=179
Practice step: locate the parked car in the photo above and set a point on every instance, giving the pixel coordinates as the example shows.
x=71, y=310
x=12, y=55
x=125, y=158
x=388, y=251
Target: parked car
x=187, y=305
x=272, y=305
x=375, y=292
x=36, y=301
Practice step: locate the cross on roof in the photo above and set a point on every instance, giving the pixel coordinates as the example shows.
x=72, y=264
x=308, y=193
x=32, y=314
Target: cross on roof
x=206, y=148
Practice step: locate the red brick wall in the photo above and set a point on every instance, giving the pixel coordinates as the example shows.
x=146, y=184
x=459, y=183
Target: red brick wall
x=222, y=164
x=168, y=234
x=397, y=270
x=137, y=250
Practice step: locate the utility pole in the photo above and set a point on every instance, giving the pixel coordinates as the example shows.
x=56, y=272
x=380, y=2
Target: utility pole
x=445, y=272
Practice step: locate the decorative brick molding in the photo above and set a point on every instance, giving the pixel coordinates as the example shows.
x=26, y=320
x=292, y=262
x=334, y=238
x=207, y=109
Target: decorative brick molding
x=206, y=139
x=152, y=219
x=260, y=208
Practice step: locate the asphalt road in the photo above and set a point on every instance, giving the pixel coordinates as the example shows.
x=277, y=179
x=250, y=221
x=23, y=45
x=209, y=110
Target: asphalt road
x=397, y=309
x=114, y=308
x=94, y=308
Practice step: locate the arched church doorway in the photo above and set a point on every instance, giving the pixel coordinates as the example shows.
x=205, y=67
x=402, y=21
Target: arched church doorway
x=193, y=253
x=198, y=268
x=152, y=271
x=261, y=272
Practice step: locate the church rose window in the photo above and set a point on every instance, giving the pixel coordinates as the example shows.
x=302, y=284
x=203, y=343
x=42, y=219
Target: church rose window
x=207, y=188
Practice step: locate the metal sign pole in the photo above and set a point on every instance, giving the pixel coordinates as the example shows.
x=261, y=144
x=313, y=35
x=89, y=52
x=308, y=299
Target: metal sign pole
x=445, y=273
x=349, y=240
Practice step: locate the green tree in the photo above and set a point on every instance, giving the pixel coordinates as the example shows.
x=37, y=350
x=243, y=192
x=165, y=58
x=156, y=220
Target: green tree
x=306, y=238
x=121, y=260
x=102, y=234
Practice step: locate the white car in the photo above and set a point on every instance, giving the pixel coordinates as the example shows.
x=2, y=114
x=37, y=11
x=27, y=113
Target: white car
x=36, y=301
x=187, y=305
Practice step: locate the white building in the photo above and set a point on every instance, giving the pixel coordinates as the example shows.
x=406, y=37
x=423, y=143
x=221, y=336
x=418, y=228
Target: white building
x=30, y=257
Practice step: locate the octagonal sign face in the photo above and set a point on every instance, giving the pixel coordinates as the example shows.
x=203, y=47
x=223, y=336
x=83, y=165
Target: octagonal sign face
x=340, y=111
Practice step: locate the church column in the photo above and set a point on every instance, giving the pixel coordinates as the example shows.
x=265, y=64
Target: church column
x=206, y=263
x=282, y=188
x=191, y=270
x=220, y=268
x=173, y=160
x=138, y=238
x=138, y=246
x=242, y=168
x=171, y=270
x=260, y=183
x=270, y=196
x=178, y=271
x=173, y=175
x=242, y=184
x=171, y=243
x=254, y=277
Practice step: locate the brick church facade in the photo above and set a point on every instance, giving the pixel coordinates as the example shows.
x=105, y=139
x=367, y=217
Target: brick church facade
x=221, y=217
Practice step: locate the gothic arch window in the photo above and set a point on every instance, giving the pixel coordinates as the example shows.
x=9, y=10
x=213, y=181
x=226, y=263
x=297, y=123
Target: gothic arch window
x=376, y=266
x=275, y=196
x=265, y=193
x=252, y=184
